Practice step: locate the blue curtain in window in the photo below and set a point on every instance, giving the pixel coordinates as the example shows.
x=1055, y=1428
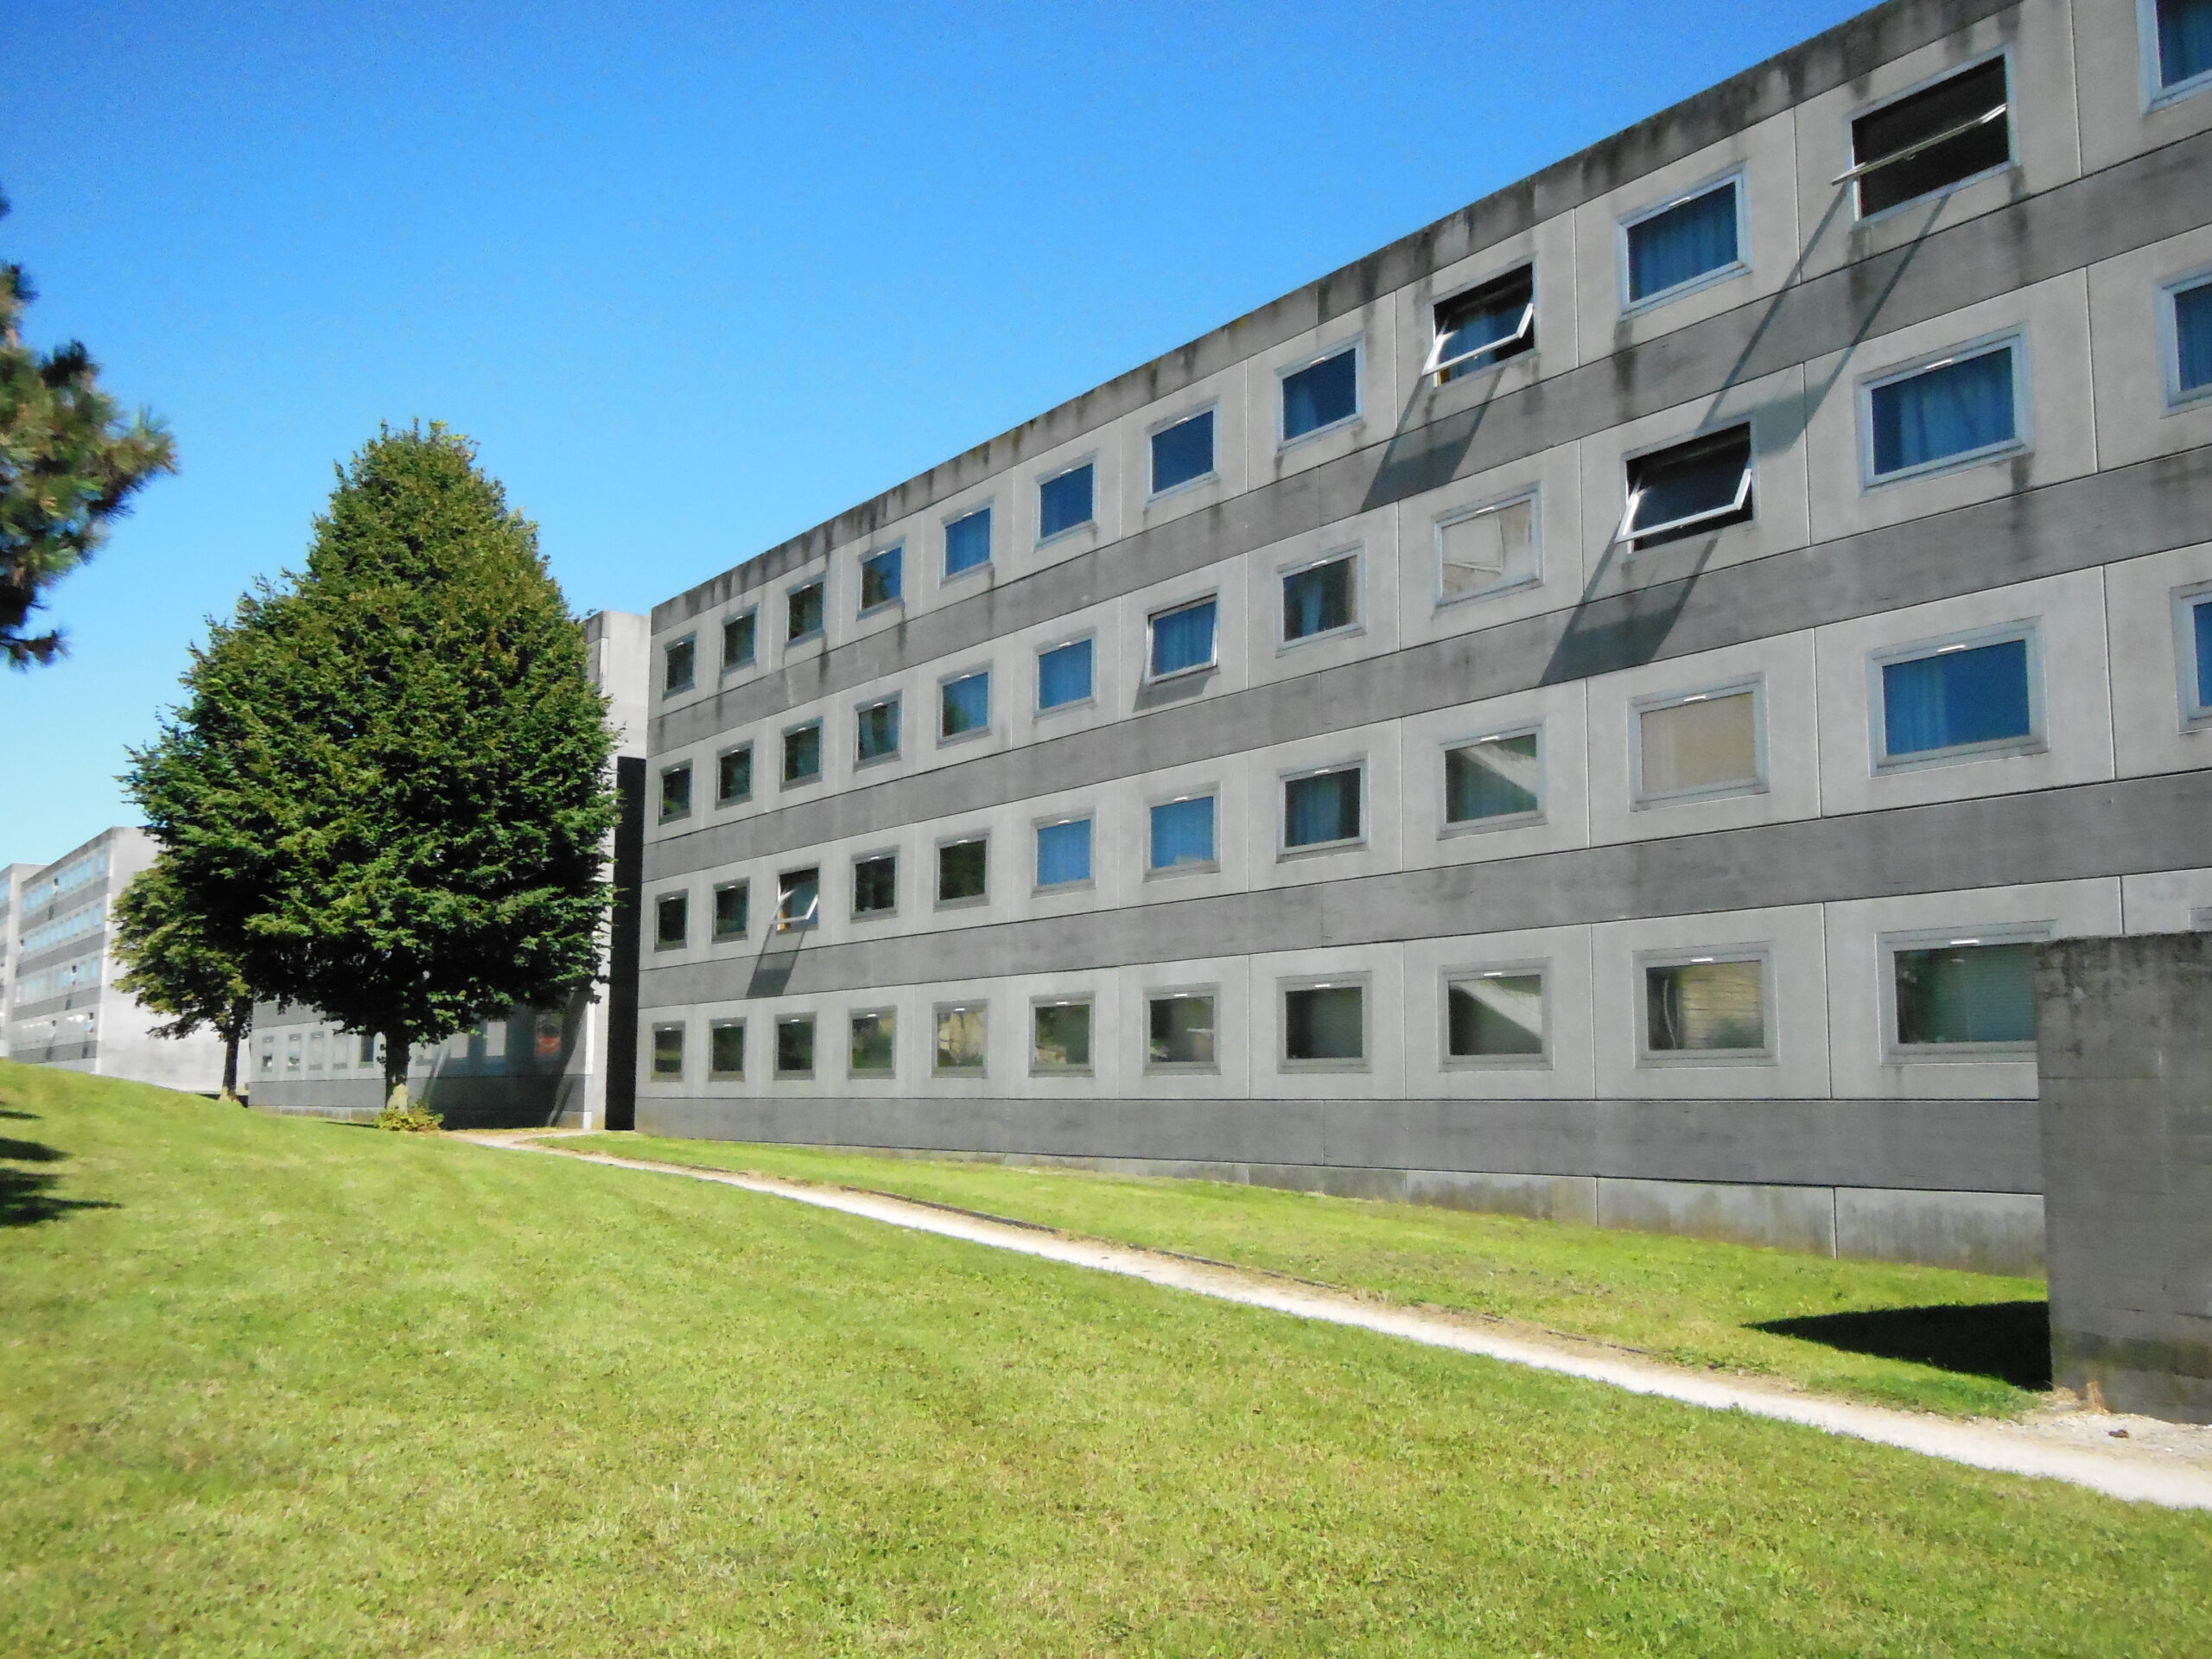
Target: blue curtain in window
x=1183, y=639
x=1182, y=833
x=968, y=542
x=1064, y=853
x=967, y=705
x=1183, y=452
x=2184, y=40
x=1948, y=411
x=1317, y=809
x=1064, y=676
x=1682, y=243
x=2199, y=617
x=1063, y=502
x=1956, y=698
x=2193, y=331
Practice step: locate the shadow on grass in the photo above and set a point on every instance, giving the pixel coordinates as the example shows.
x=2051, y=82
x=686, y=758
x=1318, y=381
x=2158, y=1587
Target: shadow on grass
x=27, y=1199
x=30, y=1152
x=2010, y=1341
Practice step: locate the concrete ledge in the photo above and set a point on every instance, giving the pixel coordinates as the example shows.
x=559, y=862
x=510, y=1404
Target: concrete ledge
x=1981, y=1232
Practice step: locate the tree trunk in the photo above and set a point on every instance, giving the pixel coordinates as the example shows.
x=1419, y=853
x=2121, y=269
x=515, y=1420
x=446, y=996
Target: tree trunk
x=230, y=1064
x=395, y=1063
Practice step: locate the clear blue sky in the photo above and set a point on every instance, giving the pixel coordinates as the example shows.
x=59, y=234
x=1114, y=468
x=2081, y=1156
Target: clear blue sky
x=698, y=277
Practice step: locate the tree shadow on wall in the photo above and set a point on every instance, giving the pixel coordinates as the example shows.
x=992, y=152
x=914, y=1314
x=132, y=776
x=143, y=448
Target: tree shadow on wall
x=2010, y=1341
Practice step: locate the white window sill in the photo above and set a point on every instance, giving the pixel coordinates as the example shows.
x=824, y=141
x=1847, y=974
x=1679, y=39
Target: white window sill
x=1185, y=487
x=1059, y=536
x=1322, y=636
x=1320, y=850
x=965, y=573
x=1176, y=674
x=1690, y=797
x=1965, y=753
x=1348, y=424
x=1483, y=1063
x=1696, y=284
x=1452, y=830
x=1165, y=872
x=1497, y=590
x=1958, y=463
x=1071, y=704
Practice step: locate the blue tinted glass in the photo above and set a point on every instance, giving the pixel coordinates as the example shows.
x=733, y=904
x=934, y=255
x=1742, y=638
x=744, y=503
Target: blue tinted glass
x=968, y=541
x=1063, y=502
x=1182, y=639
x=967, y=705
x=1183, y=452
x=1953, y=410
x=2193, y=336
x=1182, y=833
x=1064, y=853
x=1064, y=675
x=2184, y=40
x=1317, y=395
x=2200, y=618
x=1957, y=697
x=1682, y=243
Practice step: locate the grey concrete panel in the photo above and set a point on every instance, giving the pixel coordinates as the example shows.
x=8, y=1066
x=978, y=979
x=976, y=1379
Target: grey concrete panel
x=1570, y=1199
x=1786, y=1217
x=1981, y=1232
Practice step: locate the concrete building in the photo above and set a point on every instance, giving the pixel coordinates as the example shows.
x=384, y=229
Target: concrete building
x=58, y=966
x=1583, y=712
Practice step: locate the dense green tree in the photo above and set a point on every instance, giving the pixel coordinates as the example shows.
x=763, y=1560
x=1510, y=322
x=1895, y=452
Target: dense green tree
x=69, y=463
x=391, y=769
x=182, y=964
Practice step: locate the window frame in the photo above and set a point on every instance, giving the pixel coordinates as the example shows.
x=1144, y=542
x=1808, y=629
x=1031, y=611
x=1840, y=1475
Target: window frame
x=814, y=1048
x=872, y=1073
x=938, y=1011
x=681, y=899
x=1211, y=475
x=2014, y=340
x=1626, y=535
x=821, y=630
x=1769, y=1051
x=1538, y=967
x=1448, y=826
x=1640, y=798
x=2035, y=741
x=944, y=575
x=661, y=1028
x=891, y=551
x=669, y=688
x=2183, y=603
x=714, y=1073
x=722, y=754
x=752, y=659
x=891, y=701
x=1054, y=476
x=1212, y=664
x=1731, y=179
x=1442, y=372
x=2178, y=399
x=960, y=676
x=1951, y=71
x=1082, y=999
x=970, y=901
x=821, y=758
x=1037, y=827
x=2156, y=95
x=853, y=880
x=1284, y=851
x=1355, y=554
x=1212, y=866
x=1153, y=994
x=1088, y=701
x=812, y=916
x=1895, y=1052
x=1362, y=981
x=714, y=933
x=1356, y=344
x=1508, y=582
x=674, y=769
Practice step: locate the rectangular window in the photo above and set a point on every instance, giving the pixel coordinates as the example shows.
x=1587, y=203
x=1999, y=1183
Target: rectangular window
x=1940, y=136
x=1065, y=502
x=1684, y=244
x=798, y=899
x=962, y=870
x=1965, y=992
x=879, y=579
x=1064, y=675
x=795, y=1045
x=874, y=1044
x=733, y=909
x=725, y=1049
x=877, y=731
x=676, y=792
x=740, y=640
x=1485, y=326
x=964, y=705
x=1321, y=599
x=1180, y=1029
x=2183, y=44
x=2189, y=323
x=295, y=1047
x=668, y=1051
x=1182, y=833
x=1958, y=698
x=1957, y=409
x=1484, y=551
x=1182, y=640
x=803, y=754
x=1324, y=1025
x=2193, y=615
x=1064, y=853
x=1322, y=808
x=1493, y=779
x=804, y=610
x=1705, y=1006
x=875, y=885
x=1183, y=453
x=960, y=1038
x=1705, y=744
x=968, y=541
x=679, y=668
x=1321, y=394
x=734, y=775
x=1060, y=1036
x=671, y=921
x=1689, y=489
x=1494, y=1016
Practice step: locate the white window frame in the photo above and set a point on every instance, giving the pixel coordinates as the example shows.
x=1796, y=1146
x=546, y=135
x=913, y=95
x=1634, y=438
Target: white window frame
x=776, y=1053
x=753, y=661
x=1640, y=797
x=1888, y=944
x=2170, y=334
x=1211, y=475
x=1209, y=666
x=1730, y=179
x=1354, y=554
x=945, y=578
x=1431, y=367
x=2195, y=716
x=745, y=1043
x=859, y=584
x=668, y=651
x=1087, y=701
x=1356, y=344
x=1364, y=983
x=872, y=1074
x=1162, y=872
x=1878, y=732
x=1449, y=826
x=784, y=779
x=1538, y=968
x=1284, y=851
x=2014, y=340
x=889, y=754
x=1507, y=583
x=752, y=773
x=982, y=838
x=1767, y=1054
x=810, y=918
x=938, y=1011
x=1057, y=473
x=990, y=703
x=1626, y=535
x=852, y=877
x=1037, y=826
x=1950, y=71
x=1083, y=1001
x=2155, y=95
x=821, y=632
x=1173, y=1068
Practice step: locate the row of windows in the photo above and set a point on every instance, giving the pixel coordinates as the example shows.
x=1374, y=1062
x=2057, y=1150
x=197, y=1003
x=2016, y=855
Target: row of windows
x=37, y=894
x=312, y=1050
x=1968, y=996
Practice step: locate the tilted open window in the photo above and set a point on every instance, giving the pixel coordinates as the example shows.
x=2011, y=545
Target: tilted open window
x=1485, y=326
x=1939, y=136
x=1703, y=485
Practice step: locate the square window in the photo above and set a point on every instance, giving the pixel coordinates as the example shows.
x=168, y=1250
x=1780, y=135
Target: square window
x=1180, y=1029
x=1324, y=1025
x=968, y=541
x=2189, y=323
x=734, y=775
x=1493, y=779
x=1703, y=745
x=1956, y=409
x=679, y=664
x=1689, y=489
x=803, y=754
x=795, y=1045
x=1686, y=244
x=875, y=885
x=1959, y=129
x=1961, y=698
x=668, y=1051
x=1965, y=995
x=879, y=579
x=798, y=899
x=1487, y=549
x=1064, y=501
x=733, y=909
x=2182, y=44
x=960, y=1038
x=1494, y=1017
x=1182, y=833
x=877, y=731
x=963, y=869
x=2193, y=615
x=1485, y=326
x=675, y=791
x=804, y=610
x=1061, y=1037
x=1321, y=599
x=1322, y=808
x=740, y=640
x=671, y=921
x=1183, y=453
x=1707, y=1005
x=874, y=1044
x=1064, y=675
x=1321, y=394
x=1064, y=853
x=725, y=1049
x=964, y=705
x=1182, y=640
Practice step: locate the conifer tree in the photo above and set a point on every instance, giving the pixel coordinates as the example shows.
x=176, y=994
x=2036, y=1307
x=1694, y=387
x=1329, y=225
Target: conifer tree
x=391, y=771
x=180, y=965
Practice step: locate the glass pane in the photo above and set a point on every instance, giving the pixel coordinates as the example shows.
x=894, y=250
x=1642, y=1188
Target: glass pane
x=734, y=774
x=668, y=1050
x=1315, y=601
x=1682, y=243
x=1472, y=325
x=1182, y=833
x=1955, y=697
x=1704, y=476
x=876, y=885
x=1711, y=744
x=873, y=1045
x=2200, y=621
x=802, y=754
x=1323, y=1023
x=801, y=893
x=731, y=905
x=968, y=541
x=2184, y=40
x=1183, y=639
x=1063, y=1037
x=806, y=605
x=2193, y=328
x=1496, y=777
x=1487, y=548
x=960, y=870
x=1498, y=1013
x=671, y=918
x=880, y=578
x=1182, y=452
x=1064, y=853
x=965, y=705
x=1912, y=120
x=738, y=640
x=1064, y=675
x=1182, y=1031
x=795, y=1045
x=1321, y=809
x=681, y=656
x=960, y=1039
x=879, y=730
x=1705, y=1005
x=1951, y=411
x=1320, y=394
x=676, y=792
x=1063, y=502
x=726, y=1046
x=1966, y=994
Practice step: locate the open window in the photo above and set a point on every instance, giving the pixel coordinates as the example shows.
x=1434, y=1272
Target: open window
x=1702, y=485
x=798, y=899
x=1485, y=326
x=1932, y=139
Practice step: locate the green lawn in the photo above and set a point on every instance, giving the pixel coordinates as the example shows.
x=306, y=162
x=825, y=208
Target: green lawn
x=1689, y=1300
x=287, y=1388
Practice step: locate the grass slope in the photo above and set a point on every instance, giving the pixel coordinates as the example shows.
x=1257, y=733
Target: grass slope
x=304, y=1389
x=1689, y=1300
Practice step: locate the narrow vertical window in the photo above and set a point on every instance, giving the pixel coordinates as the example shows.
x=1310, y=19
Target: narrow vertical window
x=795, y=1045
x=1183, y=453
x=668, y=1054
x=798, y=899
x=1065, y=501
x=968, y=542
x=726, y=1050
x=734, y=775
x=1321, y=395
x=675, y=791
x=1685, y=243
x=740, y=640
x=733, y=905
x=1065, y=675
x=679, y=664
x=876, y=734
x=671, y=921
x=2190, y=316
x=1182, y=833
x=804, y=610
x=2196, y=641
x=803, y=753
x=2184, y=44
x=960, y=1033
